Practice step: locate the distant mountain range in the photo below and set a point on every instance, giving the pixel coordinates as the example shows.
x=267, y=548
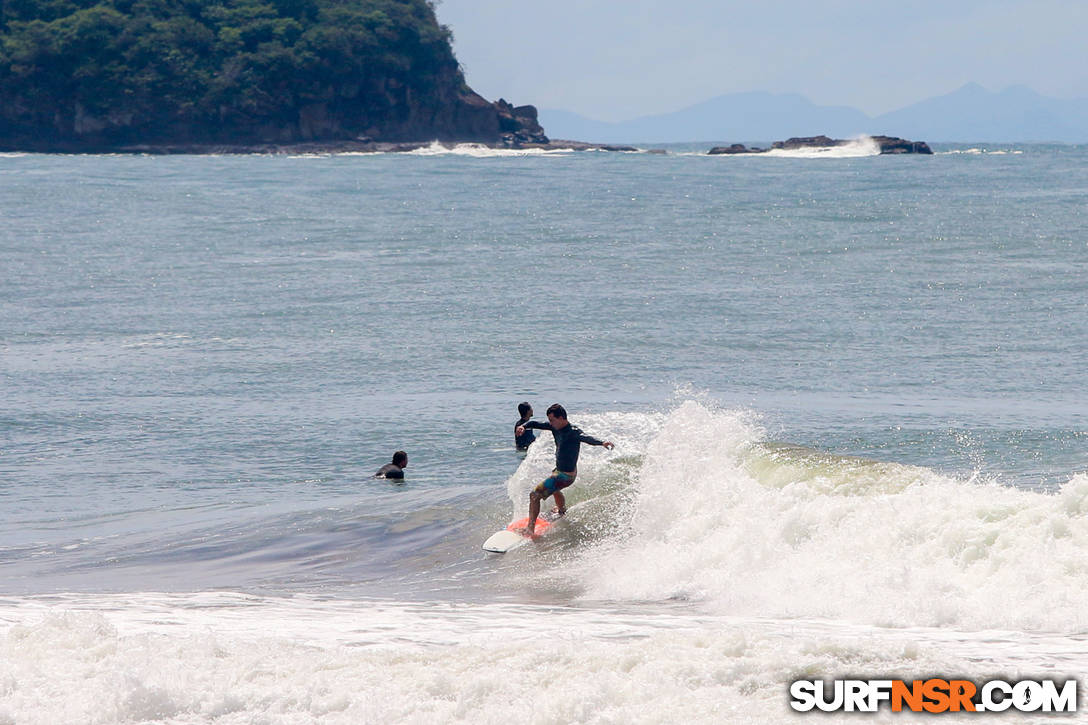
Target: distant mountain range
x=970, y=114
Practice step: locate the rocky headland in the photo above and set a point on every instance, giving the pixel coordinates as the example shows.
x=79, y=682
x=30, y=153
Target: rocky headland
x=243, y=76
x=886, y=145
x=255, y=76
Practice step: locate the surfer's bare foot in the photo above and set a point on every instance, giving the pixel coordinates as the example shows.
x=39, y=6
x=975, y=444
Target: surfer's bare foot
x=557, y=512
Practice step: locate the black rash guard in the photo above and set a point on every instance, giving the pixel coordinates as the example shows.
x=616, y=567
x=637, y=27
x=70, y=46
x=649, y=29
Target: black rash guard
x=568, y=444
x=390, y=470
x=524, y=440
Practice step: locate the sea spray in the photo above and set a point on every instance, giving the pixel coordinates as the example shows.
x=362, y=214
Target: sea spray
x=480, y=151
x=715, y=522
x=599, y=471
x=855, y=148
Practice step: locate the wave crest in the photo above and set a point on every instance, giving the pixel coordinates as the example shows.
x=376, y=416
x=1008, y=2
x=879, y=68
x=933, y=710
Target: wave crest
x=752, y=528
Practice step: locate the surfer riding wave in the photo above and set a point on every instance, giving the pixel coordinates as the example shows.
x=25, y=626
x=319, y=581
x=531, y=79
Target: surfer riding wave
x=568, y=445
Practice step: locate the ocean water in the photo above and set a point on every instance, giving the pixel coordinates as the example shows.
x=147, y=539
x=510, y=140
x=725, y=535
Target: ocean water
x=847, y=392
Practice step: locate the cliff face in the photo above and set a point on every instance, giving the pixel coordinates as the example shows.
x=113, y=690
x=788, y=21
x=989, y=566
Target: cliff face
x=119, y=73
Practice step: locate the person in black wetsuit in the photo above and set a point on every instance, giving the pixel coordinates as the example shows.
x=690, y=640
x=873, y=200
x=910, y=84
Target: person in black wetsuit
x=568, y=444
x=526, y=439
x=394, y=469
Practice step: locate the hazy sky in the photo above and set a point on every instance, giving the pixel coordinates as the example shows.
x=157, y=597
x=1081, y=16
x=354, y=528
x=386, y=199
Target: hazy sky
x=614, y=60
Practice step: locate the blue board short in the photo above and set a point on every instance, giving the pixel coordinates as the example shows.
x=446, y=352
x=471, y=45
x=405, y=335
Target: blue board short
x=555, y=482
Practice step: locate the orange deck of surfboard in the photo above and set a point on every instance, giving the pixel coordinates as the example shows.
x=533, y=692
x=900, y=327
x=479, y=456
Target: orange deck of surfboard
x=514, y=535
x=518, y=526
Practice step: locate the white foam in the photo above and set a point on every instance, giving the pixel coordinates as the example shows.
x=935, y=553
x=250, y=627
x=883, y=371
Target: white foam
x=856, y=148
x=232, y=659
x=981, y=152
x=717, y=520
x=480, y=151
x=629, y=432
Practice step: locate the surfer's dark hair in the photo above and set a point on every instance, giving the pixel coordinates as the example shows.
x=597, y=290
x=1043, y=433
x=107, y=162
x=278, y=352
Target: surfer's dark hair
x=558, y=411
x=524, y=408
x=400, y=458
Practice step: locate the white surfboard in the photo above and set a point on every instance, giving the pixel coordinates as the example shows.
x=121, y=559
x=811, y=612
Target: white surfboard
x=513, y=535
x=503, y=541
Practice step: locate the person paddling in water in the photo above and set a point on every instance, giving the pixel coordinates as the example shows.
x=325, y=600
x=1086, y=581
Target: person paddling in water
x=568, y=444
x=394, y=469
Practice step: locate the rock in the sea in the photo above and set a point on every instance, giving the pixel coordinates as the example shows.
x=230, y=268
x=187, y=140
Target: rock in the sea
x=806, y=142
x=518, y=125
x=893, y=145
x=737, y=148
x=568, y=145
x=887, y=145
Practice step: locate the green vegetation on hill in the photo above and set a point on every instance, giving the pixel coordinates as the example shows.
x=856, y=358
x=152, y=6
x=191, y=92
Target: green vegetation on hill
x=110, y=72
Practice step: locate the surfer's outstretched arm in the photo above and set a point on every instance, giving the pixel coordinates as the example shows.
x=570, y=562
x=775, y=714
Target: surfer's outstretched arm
x=596, y=441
